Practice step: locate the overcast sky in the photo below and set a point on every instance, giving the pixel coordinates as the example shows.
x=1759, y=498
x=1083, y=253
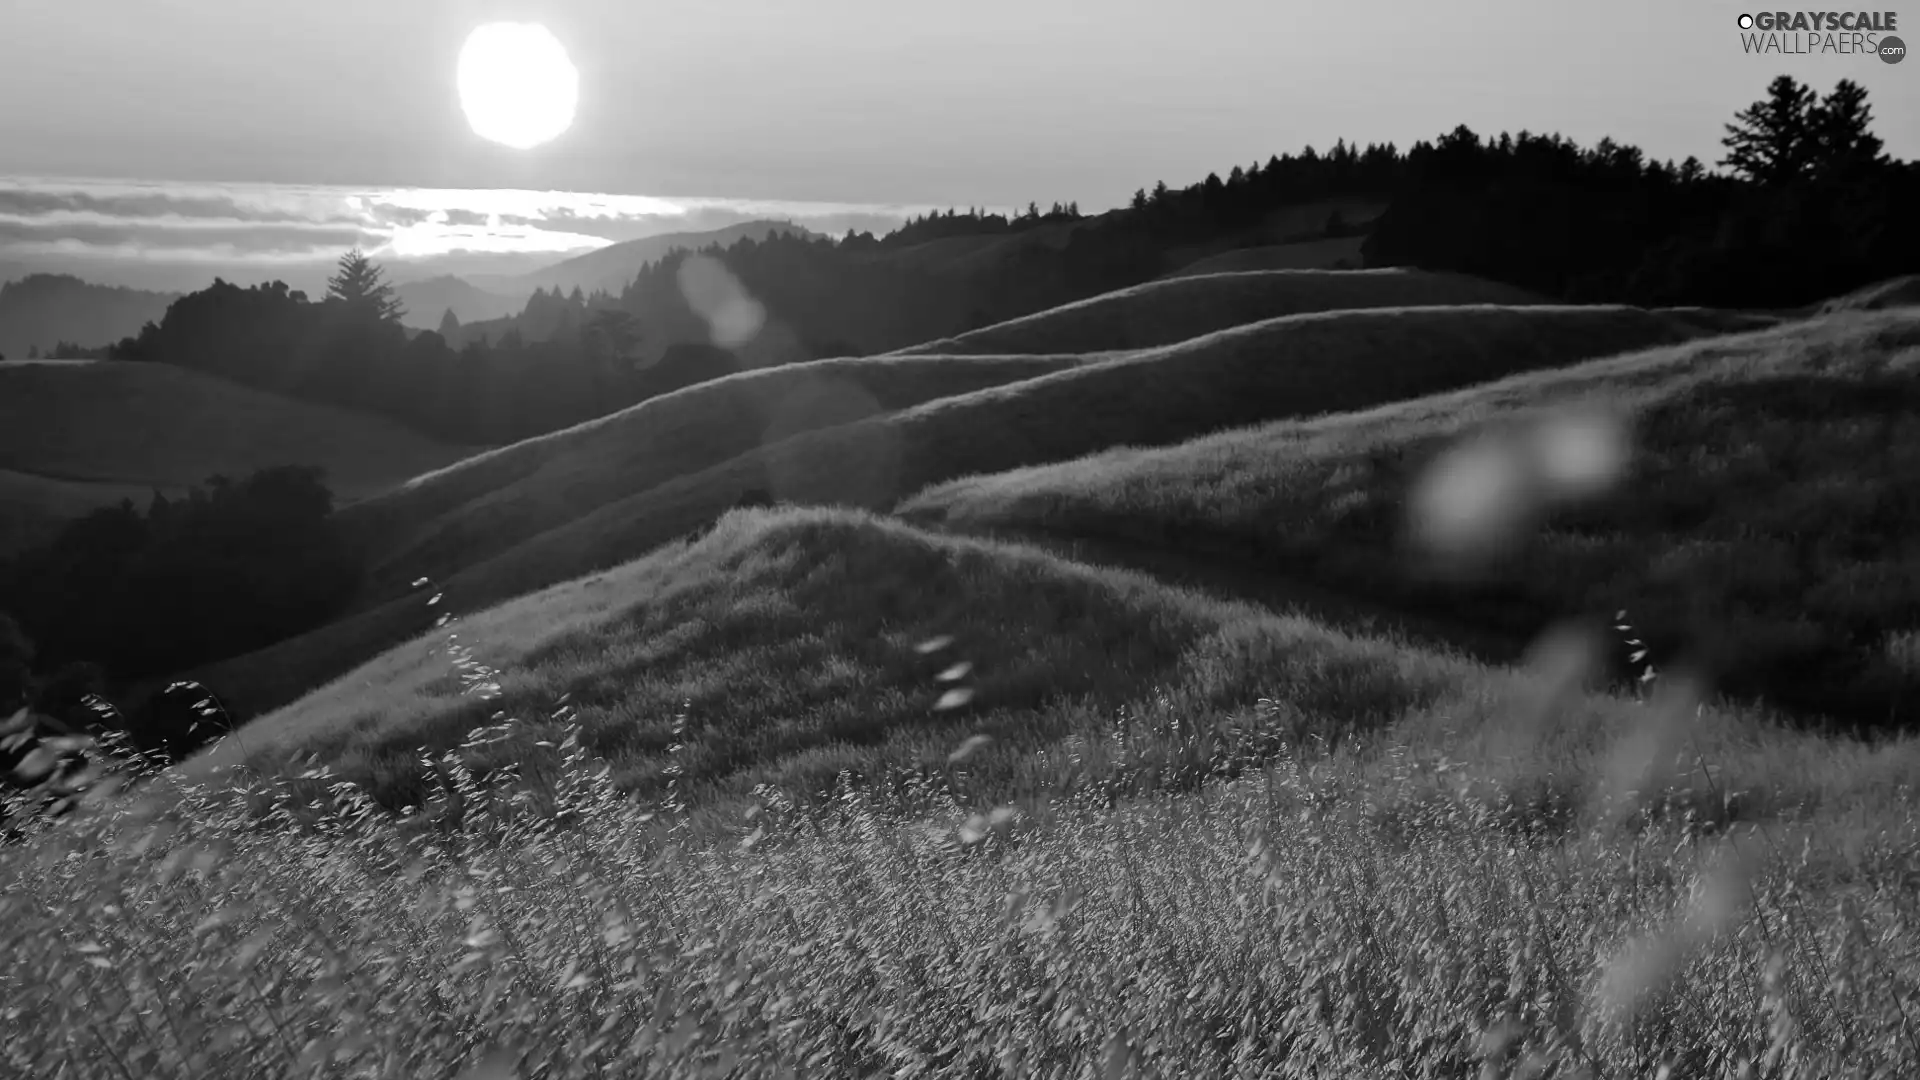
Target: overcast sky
x=887, y=101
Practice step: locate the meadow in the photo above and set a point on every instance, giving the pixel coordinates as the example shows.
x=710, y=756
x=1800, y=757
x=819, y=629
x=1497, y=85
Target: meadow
x=630, y=783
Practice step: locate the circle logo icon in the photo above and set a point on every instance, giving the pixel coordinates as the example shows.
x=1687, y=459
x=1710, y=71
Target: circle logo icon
x=1746, y=22
x=1892, y=50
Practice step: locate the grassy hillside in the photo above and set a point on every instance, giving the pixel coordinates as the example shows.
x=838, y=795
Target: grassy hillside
x=443, y=520
x=1169, y=311
x=1342, y=253
x=1295, y=366
x=154, y=425
x=1767, y=529
x=789, y=645
x=790, y=638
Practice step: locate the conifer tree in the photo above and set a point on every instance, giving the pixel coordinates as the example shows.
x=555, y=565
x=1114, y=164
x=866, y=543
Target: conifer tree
x=361, y=283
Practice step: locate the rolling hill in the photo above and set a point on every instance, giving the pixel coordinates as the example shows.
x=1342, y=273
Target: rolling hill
x=1169, y=311
x=505, y=537
x=77, y=436
x=439, y=521
x=795, y=632
x=428, y=301
x=564, y=458
x=1764, y=532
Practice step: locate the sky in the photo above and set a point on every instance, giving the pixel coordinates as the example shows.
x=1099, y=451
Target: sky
x=870, y=105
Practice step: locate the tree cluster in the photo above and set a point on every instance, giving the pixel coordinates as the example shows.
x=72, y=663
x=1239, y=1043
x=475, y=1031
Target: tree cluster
x=349, y=349
x=1811, y=208
x=231, y=567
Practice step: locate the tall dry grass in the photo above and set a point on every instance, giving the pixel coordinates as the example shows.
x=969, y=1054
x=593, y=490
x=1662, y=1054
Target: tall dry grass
x=1329, y=914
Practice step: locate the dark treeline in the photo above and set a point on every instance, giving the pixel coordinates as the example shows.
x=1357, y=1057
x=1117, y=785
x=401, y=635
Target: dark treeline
x=1812, y=207
x=974, y=222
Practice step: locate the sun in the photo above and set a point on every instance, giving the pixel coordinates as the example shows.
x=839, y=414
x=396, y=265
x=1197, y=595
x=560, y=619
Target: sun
x=517, y=86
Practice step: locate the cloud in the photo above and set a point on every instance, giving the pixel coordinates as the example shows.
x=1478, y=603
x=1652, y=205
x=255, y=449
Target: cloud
x=194, y=224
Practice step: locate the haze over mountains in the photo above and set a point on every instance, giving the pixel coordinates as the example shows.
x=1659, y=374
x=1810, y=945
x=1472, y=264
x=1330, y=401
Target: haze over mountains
x=610, y=269
x=41, y=309
x=37, y=311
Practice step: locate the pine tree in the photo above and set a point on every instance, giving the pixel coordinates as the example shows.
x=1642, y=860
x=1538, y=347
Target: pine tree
x=1774, y=141
x=449, y=325
x=361, y=283
x=1841, y=142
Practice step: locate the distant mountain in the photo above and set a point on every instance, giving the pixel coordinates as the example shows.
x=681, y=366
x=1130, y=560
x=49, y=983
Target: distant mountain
x=40, y=310
x=428, y=302
x=613, y=268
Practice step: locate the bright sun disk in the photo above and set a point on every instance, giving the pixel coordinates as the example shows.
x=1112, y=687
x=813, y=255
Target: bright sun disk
x=517, y=86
